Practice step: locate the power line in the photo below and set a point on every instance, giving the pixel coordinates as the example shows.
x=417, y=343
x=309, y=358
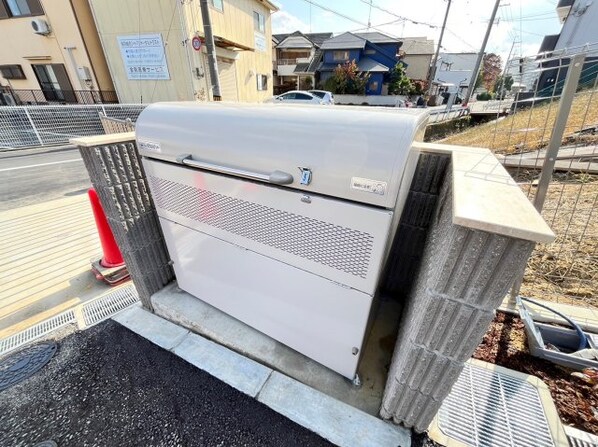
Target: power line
x=415, y=22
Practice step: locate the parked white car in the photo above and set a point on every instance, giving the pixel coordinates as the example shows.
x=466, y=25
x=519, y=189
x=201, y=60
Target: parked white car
x=297, y=97
x=324, y=95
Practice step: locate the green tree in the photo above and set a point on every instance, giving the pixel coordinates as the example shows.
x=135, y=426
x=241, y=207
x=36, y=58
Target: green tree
x=347, y=80
x=399, y=83
x=504, y=84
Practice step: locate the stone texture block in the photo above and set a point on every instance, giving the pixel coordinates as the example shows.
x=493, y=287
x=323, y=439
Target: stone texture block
x=463, y=277
x=119, y=179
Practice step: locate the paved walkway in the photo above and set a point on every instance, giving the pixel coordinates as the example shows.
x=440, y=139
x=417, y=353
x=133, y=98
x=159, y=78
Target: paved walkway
x=45, y=253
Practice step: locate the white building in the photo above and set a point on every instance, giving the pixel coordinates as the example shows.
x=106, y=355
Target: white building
x=454, y=71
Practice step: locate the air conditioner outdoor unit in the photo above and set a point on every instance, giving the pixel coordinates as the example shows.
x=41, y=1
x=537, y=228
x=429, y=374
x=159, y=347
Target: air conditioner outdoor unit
x=40, y=26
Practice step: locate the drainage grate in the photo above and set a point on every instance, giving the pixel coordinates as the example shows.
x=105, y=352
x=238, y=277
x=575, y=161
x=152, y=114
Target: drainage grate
x=106, y=306
x=493, y=409
x=34, y=332
x=578, y=438
x=93, y=312
x=23, y=364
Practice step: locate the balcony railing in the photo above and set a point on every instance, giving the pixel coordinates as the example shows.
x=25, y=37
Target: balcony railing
x=9, y=97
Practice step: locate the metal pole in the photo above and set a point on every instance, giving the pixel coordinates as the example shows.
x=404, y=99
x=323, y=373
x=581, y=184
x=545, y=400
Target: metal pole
x=432, y=73
x=213, y=64
x=39, y=138
x=474, y=74
x=556, y=138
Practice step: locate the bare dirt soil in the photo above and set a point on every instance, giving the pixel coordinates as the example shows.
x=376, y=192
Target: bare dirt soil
x=505, y=344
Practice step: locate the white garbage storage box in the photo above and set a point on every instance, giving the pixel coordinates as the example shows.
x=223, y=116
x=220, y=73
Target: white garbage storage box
x=280, y=215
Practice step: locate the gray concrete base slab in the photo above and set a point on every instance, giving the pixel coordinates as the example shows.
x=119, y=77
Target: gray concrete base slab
x=344, y=425
x=156, y=329
x=332, y=419
x=202, y=318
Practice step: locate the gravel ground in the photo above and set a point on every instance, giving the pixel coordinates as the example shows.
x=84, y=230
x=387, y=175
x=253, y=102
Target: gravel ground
x=107, y=386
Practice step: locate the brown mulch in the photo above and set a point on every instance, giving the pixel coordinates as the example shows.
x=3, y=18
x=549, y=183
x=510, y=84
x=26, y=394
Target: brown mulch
x=505, y=344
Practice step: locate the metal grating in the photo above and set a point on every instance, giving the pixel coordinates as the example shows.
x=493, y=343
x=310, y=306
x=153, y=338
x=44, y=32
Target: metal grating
x=106, y=306
x=34, y=332
x=578, y=438
x=341, y=248
x=490, y=409
x=93, y=312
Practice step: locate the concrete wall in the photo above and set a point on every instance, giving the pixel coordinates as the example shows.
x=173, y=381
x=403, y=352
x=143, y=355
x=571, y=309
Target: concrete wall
x=71, y=25
x=372, y=100
x=580, y=26
x=464, y=276
x=418, y=65
x=177, y=24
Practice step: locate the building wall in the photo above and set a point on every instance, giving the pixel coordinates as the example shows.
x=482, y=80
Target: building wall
x=382, y=57
x=418, y=65
x=580, y=26
x=188, y=69
x=19, y=45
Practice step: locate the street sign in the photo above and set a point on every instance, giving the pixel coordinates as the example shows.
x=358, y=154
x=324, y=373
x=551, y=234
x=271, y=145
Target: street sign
x=196, y=43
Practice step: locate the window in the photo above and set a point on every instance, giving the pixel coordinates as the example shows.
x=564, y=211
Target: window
x=20, y=8
x=218, y=4
x=12, y=72
x=262, y=82
x=303, y=96
x=370, y=52
x=340, y=55
x=54, y=82
x=373, y=86
x=259, y=23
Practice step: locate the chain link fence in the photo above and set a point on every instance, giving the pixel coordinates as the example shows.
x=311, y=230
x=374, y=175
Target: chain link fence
x=33, y=126
x=549, y=143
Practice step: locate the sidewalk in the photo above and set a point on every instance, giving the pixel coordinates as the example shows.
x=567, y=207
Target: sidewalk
x=45, y=253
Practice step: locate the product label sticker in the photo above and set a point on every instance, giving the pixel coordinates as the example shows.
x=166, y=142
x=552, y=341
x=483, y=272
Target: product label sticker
x=367, y=185
x=149, y=146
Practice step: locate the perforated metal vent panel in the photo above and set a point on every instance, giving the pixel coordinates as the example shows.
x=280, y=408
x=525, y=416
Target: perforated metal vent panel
x=345, y=249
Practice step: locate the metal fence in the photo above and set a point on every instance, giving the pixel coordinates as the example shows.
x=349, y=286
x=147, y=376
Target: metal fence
x=22, y=97
x=32, y=126
x=549, y=143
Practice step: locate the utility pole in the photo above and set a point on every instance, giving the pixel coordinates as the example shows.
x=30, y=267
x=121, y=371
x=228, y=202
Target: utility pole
x=474, y=74
x=209, y=36
x=432, y=73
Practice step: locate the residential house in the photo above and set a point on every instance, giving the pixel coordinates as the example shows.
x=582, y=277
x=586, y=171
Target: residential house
x=417, y=54
x=297, y=57
x=579, y=18
x=51, y=52
x=453, y=71
x=156, y=51
x=374, y=53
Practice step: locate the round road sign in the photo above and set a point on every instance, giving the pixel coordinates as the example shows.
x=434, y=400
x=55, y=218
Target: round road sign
x=196, y=42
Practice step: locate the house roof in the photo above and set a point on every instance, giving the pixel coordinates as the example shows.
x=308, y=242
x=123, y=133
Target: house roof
x=417, y=45
x=315, y=38
x=364, y=64
x=376, y=37
x=301, y=67
x=367, y=64
x=345, y=41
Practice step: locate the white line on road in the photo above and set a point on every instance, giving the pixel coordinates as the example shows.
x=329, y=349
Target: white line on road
x=41, y=164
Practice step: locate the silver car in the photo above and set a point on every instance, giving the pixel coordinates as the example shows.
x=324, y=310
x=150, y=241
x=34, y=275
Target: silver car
x=297, y=97
x=325, y=96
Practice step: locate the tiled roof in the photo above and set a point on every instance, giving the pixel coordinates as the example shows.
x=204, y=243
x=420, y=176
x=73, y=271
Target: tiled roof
x=367, y=64
x=316, y=38
x=417, y=45
x=376, y=37
x=344, y=41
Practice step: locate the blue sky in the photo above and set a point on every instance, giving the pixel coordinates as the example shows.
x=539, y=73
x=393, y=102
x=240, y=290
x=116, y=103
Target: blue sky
x=522, y=21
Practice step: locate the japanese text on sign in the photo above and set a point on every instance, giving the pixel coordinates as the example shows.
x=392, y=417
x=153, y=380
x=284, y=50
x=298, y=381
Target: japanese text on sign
x=143, y=56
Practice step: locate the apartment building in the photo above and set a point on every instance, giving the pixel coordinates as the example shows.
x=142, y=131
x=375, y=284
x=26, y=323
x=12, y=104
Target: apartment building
x=50, y=52
x=156, y=50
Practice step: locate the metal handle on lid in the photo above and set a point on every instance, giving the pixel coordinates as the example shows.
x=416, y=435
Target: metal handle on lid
x=275, y=177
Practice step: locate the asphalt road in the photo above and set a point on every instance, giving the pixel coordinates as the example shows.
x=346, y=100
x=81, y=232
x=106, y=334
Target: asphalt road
x=107, y=386
x=28, y=177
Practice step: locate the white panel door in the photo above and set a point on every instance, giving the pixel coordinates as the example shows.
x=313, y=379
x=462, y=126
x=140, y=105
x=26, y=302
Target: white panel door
x=228, y=80
x=317, y=317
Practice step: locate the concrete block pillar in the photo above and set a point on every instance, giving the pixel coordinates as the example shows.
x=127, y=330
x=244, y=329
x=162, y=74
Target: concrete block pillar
x=118, y=177
x=463, y=277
